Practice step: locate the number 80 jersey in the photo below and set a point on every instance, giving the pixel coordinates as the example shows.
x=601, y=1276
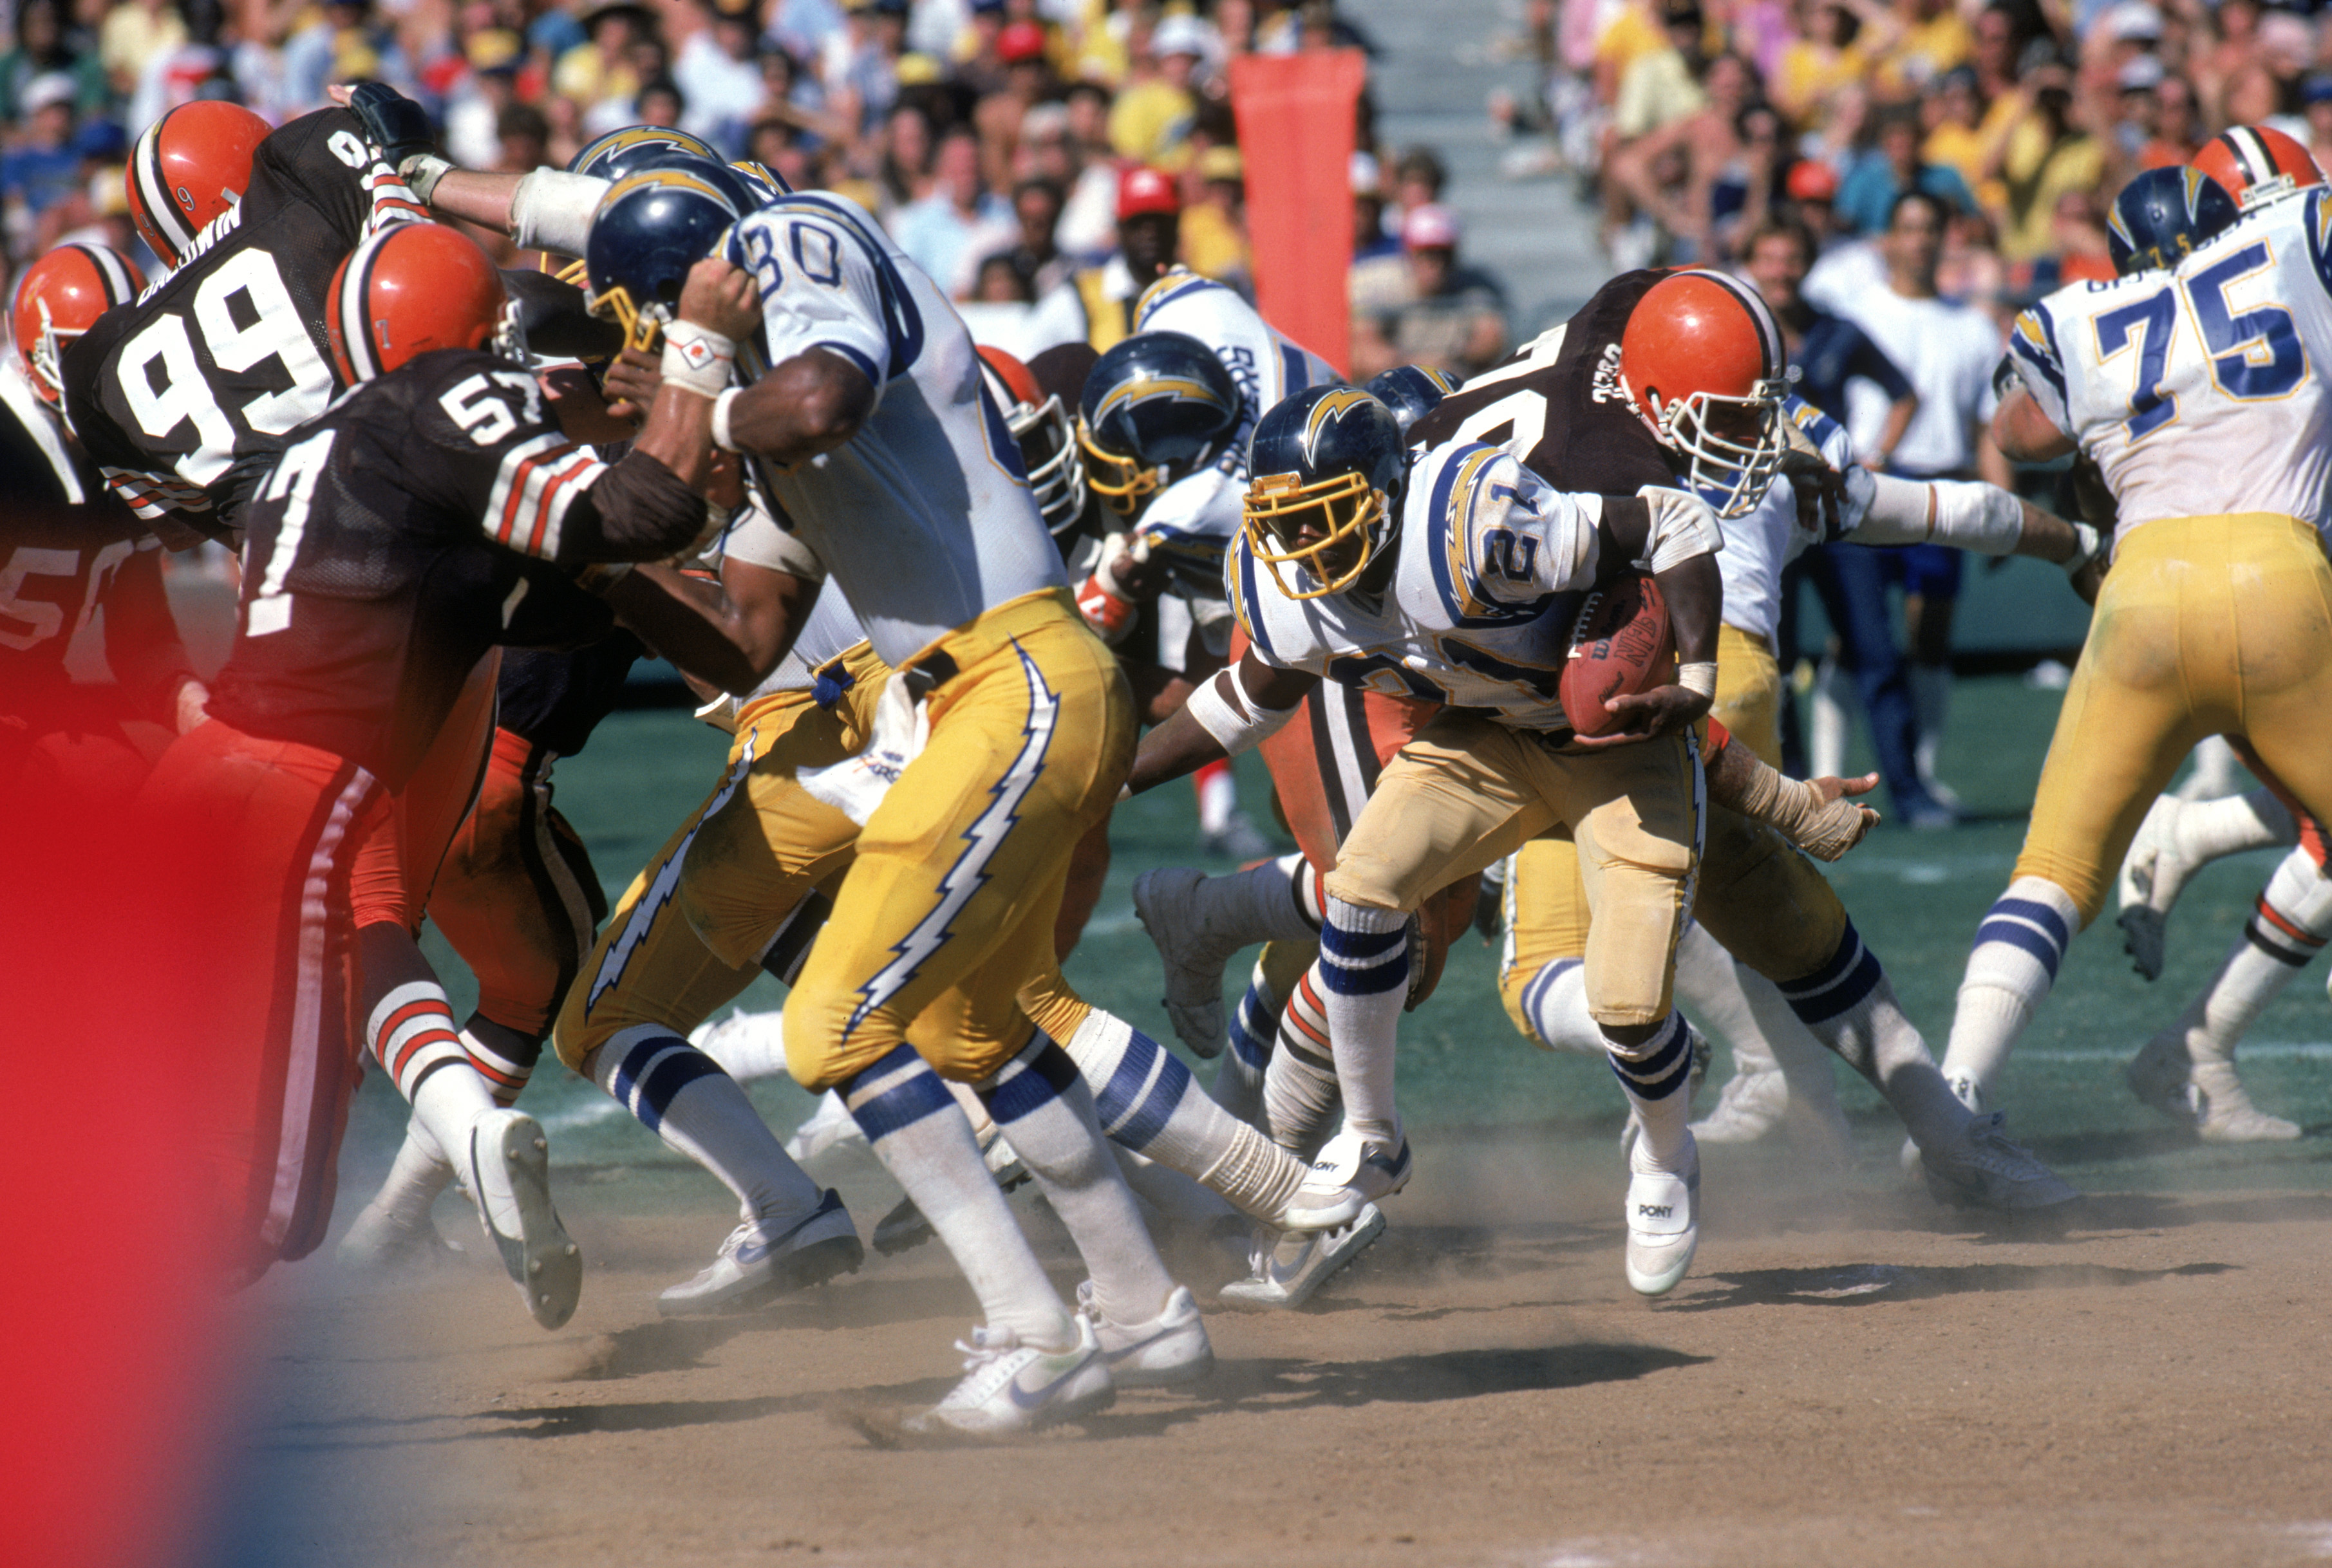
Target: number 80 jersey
x=2202, y=391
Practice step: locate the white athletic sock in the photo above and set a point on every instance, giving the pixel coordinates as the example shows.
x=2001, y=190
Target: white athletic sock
x=1654, y=1075
x=2010, y=969
x=504, y=1057
x=922, y=1139
x=682, y=1095
x=1364, y=961
x=1173, y=1195
x=411, y=1034
x=418, y=1173
x=1931, y=708
x=1254, y=1024
x=1301, y=1099
x=1554, y=1002
x=1217, y=789
x=2289, y=926
x=1043, y=1108
x=749, y=1046
x=1708, y=987
x=2205, y=831
x=1849, y=1006
x=1826, y=730
x=1147, y=1101
x=2216, y=770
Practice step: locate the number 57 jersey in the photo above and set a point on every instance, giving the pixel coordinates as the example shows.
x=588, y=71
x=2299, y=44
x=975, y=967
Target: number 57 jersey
x=184, y=397
x=2202, y=391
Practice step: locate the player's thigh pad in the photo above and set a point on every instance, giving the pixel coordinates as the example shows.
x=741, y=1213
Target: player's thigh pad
x=1764, y=903
x=1029, y=743
x=1749, y=693
x=2286, y=658
x=1460, y=796
x=1636, y=813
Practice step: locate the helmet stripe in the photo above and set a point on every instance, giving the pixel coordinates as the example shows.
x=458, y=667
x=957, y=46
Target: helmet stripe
x=1773, y=356
x=155, y=191
x=110, y=271
x=356, y=319
x=2251, y=155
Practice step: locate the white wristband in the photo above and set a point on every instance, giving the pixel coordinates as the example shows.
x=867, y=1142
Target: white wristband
x=697, y=358
x=421, y=172
x=1698, y=678
x=1235, y=728
x=2088, y=546
x=720, y=406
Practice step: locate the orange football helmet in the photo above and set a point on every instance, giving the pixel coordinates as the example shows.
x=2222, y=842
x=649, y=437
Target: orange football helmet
x=1048, y=448
x=191, y=165
x=60, y=297
x=2259, y=166
x=1701, y=362
x=412, y=287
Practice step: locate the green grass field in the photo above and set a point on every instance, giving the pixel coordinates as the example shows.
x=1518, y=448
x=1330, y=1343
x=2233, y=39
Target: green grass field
x=1916, y=898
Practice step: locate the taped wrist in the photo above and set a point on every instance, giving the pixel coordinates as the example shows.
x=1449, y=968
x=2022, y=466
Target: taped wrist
x=421, y=172
x=1699, y=679
x=1682, y=527
x=697, y=358
x=551, y=211
x=1230, y=717
x=1824, y=830
x=2088, y=544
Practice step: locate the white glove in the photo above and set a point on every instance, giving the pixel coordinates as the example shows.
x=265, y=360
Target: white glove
x=856, y=785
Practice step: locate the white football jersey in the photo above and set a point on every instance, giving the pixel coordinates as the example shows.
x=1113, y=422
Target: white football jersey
x=1494, y=566
x=2200, y=391
x=1759, y=545
x=925, y=517
x=1192, y=520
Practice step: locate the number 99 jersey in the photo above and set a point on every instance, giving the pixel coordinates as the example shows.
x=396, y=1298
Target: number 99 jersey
x=184, y=397
x=2202, y=391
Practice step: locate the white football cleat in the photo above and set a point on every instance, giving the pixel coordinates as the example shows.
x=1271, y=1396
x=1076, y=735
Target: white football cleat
x=508, y=1179
x=761, y=1260
x=1168, y=904
x=378, y=1241
x=1012, y=1388
x=1663, y=1226
x=1286, y=1275
x=1171, y=1348
x=2152, y=875
x=1351, y=1174
x=2223, y=1112
x=1749, y=1105
x=1981, y=1168
x=831, y=1137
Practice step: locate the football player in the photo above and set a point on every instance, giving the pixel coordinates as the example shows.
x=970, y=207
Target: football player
x=68, y=549
x=918, y=504
x=2197, y=391
x=416, y=525
x=1457, y=580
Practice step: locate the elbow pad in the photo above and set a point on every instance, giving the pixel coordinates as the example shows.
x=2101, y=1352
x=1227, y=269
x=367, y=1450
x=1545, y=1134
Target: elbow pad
x=1683, y=527
x=1236, y=723
x=551, y=211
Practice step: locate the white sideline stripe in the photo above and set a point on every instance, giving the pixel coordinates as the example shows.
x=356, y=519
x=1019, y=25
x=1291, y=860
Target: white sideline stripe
x=2250, y=1050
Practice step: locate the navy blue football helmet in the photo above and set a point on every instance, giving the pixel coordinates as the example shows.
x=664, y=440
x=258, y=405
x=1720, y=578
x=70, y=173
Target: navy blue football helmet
x=649, y=229
x=766, y=182
x=1412, y=391
x=1156, y=407
x=626, y=151
x=1329, y=465
x=2164, y=214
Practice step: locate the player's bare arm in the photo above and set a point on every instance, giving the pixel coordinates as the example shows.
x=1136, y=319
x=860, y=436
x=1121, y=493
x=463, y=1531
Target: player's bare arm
x=2024, y=434
x=729, y=634
x=1695, y=594
x=1228, y=714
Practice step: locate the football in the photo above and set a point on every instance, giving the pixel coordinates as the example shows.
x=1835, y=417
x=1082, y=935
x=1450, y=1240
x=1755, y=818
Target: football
x=1619, y=644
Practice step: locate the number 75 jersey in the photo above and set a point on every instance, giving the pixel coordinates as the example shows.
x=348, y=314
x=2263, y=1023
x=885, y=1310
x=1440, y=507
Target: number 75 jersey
x=2202, y=391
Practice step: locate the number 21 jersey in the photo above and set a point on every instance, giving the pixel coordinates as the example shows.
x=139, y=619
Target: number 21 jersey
x=2200, y=392
x=184, y=397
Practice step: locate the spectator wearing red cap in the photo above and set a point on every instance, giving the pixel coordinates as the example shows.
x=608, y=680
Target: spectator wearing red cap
x=1022, y=49
x=1453, y=319
x=1095, y=306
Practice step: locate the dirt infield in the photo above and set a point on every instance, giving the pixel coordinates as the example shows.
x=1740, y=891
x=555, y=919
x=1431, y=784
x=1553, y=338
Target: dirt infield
x=1856, y=1378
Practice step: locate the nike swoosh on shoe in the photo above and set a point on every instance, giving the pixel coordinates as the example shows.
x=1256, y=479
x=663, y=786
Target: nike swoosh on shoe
x=1026, y=1400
